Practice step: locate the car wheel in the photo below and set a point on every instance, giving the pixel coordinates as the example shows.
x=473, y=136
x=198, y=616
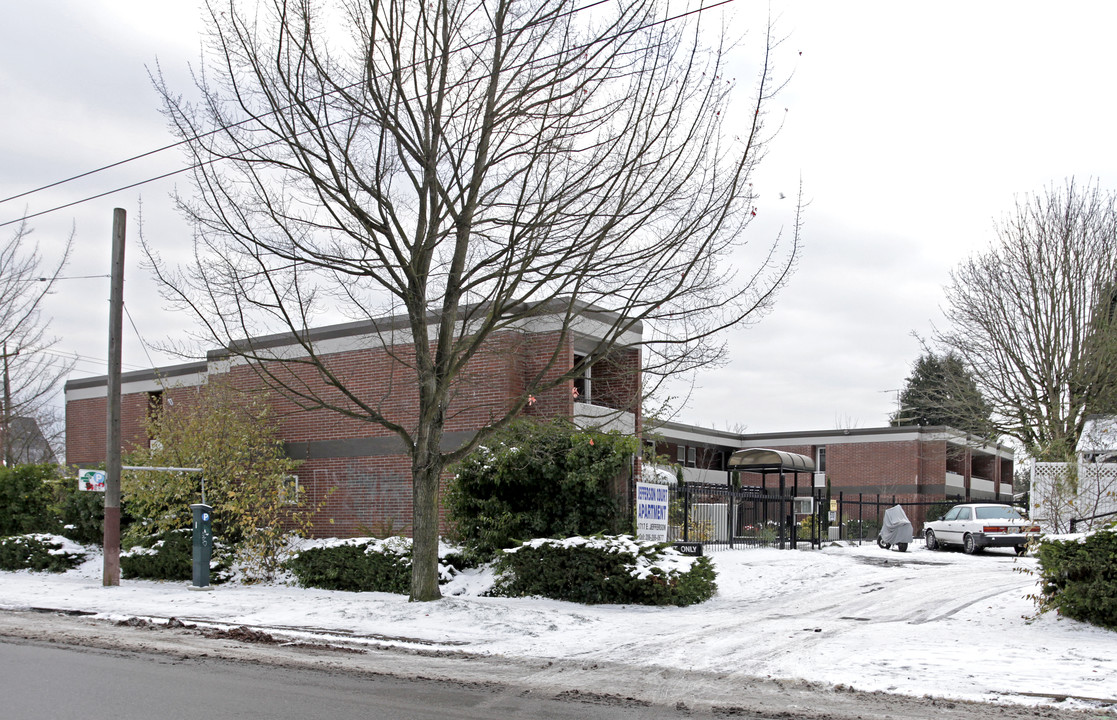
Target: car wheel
x=931, y=540
x=902, y=547
x=969, y=545
x=881, y=543
x=1021, y=549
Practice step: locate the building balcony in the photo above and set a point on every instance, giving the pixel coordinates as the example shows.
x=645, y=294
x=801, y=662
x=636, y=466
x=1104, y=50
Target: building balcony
x=604, y=418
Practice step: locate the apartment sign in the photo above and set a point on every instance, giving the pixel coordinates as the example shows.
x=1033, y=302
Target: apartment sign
x=651, y=512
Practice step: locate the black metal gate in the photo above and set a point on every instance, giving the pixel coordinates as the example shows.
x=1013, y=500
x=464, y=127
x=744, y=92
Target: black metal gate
x=721, y=516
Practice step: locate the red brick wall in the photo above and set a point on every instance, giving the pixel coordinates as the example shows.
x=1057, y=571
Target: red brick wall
x=85, y=431
x=535, y=352
x=371, y=494
x=86, y=423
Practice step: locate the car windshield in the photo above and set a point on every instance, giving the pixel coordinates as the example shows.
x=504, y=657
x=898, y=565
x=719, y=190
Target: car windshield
x=997, y=513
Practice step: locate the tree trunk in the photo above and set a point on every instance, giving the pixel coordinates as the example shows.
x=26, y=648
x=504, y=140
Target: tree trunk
x=426, y=473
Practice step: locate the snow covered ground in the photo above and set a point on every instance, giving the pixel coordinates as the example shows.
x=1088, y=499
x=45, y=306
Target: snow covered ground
x=917, y=623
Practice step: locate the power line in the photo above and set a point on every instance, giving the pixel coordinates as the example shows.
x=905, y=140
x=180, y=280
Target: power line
x=61, y=277
x=224, y=128
x=143, y=343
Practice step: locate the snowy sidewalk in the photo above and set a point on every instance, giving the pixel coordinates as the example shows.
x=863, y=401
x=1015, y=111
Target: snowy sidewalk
x=916, y=623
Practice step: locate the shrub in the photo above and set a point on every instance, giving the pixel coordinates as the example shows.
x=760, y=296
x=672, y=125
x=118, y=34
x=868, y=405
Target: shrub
x=38, y=552
x=232, y=435
x=539, y=480
x=169, y=556
x=25, y=500
x=364, y=565
x=605, y=569
x=1079, y=578
x=80, y=514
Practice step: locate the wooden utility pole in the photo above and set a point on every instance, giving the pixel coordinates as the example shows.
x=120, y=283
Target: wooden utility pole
x=112, y=450
x=5, y=429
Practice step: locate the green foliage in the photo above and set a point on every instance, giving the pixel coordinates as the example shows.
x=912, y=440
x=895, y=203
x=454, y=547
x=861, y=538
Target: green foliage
x=81, y=513
x=605, y=569
x=25, y=499
x=941, y=391
x=36, y=552
x=365, y=566
x=230, y=434
x=1079, y=578
x=36, y=499
x=936, y=511
x=861, y=529
x=370, y=566
x=539, y=480
x=169, y=556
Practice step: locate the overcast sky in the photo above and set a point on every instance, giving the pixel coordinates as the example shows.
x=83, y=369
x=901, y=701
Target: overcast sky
x=914, y=129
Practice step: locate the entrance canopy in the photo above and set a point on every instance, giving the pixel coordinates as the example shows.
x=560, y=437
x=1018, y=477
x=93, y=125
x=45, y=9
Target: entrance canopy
x=761, y=460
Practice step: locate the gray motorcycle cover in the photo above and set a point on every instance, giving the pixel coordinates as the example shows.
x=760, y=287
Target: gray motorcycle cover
x=897, y=527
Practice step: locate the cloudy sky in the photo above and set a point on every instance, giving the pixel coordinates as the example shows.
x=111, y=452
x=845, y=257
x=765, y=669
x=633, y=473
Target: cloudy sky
x=913, y=127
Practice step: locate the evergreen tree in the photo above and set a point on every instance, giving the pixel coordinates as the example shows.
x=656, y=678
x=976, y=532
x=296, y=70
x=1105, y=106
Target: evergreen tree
x=941, y=391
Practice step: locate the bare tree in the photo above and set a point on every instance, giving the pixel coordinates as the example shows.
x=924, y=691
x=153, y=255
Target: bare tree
x=1025, y=317
x=30, y=372
x=468, y=166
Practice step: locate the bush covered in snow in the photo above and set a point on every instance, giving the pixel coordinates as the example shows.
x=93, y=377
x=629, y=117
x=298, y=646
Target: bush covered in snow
x=605, y=569
x=1079, y=577
x=363, y=565
x=169, y=556
x=536, y=480
x=39, y=552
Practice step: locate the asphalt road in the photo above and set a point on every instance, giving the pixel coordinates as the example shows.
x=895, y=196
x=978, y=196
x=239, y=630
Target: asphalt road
x=62, y=682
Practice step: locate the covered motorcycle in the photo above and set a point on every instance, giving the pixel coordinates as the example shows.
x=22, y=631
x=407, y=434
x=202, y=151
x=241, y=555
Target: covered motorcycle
x=896, y=529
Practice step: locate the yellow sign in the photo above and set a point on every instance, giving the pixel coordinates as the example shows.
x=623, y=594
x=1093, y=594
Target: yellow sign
x=833, y=506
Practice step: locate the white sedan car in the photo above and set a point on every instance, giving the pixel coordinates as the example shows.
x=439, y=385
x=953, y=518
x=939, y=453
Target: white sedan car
x=976, y=526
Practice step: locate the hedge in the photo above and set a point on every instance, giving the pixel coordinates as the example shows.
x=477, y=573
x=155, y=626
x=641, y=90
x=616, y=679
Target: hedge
x=38, y=552
x=1079, y=577
x=170, y=556
x=365, y=565
x=604, y=569
x=26, y=500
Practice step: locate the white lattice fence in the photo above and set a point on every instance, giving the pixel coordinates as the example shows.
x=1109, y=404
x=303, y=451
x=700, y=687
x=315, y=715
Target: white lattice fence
x=1062, y=491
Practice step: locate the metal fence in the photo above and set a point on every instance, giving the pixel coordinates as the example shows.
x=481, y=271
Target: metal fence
x=859, y=517
x=722, y=517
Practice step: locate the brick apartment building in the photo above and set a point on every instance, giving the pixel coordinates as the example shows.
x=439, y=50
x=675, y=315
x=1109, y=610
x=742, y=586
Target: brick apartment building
x=911, y=463
x=359, y=469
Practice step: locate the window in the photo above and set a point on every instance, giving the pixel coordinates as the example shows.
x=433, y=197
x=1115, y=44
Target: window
x=965, y=514
x=997, y=513
x=691, y=456
x=154, y=408
x=583, y=390
x=680, y=456
x=820, y=459
x=951, y=514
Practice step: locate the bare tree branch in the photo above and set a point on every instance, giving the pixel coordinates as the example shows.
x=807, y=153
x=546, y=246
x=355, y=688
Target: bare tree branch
x=451, y=170
x=1030, y=317
x=30, y=373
